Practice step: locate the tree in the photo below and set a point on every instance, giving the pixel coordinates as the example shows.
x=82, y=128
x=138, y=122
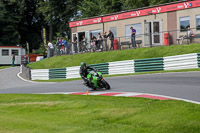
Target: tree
x=30, y=24
x=90, y=8
x=156, y=2
x=20, y=23
x=57, y=14
x=9, y=20
x=132, y=4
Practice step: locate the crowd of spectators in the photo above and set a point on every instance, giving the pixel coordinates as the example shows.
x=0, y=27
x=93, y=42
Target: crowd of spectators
x=62, y=47
x=96, y=44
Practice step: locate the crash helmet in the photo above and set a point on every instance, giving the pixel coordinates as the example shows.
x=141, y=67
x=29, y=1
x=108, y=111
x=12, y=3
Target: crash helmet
x=83, y=65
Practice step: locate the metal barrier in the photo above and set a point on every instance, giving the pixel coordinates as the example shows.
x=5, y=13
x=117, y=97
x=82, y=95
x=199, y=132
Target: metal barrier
x=40, y=74
x=186, y=61
x=73, y=72
x=102, y=67
x=121, y=67
x=198, y=58
x=57, y=73
x=146, y=65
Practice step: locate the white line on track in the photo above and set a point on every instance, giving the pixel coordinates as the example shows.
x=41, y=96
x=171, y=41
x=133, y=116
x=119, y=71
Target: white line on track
x=126, y=94
x=18, y=75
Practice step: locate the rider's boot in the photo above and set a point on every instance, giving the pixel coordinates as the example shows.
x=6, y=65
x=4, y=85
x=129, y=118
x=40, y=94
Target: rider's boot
x=92, y=86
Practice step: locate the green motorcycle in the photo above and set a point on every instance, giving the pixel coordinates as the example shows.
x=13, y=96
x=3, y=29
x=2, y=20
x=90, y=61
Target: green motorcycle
x=97, y=80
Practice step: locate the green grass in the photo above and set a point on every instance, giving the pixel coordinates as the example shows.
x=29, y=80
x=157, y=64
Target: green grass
x=140, y=73
x=2, y=67
x=95, y=114
x=119, y=55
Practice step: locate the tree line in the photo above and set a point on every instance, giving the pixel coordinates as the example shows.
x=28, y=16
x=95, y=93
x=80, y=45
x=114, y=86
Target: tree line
x=22, y=21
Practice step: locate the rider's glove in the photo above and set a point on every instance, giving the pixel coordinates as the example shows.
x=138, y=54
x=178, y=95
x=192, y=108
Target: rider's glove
x=86, y=80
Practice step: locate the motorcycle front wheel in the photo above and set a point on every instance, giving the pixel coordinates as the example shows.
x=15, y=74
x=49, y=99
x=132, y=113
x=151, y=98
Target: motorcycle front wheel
x=105, y=84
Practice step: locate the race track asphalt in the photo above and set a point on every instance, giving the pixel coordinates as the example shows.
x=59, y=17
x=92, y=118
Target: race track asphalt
x=184, y=85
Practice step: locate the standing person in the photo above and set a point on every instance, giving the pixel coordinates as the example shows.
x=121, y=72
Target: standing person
x=189, y=35
x=13, y=60
x=84, y=43
x=65, y=46
x=81, y=44
x=94, y=41
x=69, y=48
x=105, y=40
x=100, y=41
x=50, y=48
x=133, y=32
x=62, y=46
x=75, y=43
x=58, y=46
x=111, y=36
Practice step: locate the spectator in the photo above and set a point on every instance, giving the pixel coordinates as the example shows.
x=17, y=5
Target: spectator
x=94, y=43
x=189, y=32
x=133, y=32
x=111, y=36
x=13, y=60
x=62, y=46
x=105, y=40
x=188, y=36
x=58, y=47
x=84, y=43
x=91, y=43
x=75, y=43
x=50, y=49
x=67, y=47
x=100, y=41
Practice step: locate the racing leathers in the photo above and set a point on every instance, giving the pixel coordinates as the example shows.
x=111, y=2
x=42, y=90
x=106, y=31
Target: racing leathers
x=84, y=73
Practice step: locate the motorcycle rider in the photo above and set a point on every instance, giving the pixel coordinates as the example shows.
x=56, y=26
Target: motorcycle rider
x=84, y=72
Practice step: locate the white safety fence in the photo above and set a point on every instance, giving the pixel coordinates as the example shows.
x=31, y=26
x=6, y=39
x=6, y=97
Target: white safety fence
x=73, y=72
x=121, y=67
x=40, y=74
x=186, y=61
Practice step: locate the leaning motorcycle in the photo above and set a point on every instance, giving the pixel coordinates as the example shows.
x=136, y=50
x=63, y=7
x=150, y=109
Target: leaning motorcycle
x=97, y=80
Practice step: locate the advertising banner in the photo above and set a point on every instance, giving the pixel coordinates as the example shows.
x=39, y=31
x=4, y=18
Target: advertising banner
x=85, y=22
x=154, y=10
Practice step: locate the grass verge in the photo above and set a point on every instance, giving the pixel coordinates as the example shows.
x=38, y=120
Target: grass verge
x=65, y=80
x=28, y=113
x=2, y=67
x=119, y=55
